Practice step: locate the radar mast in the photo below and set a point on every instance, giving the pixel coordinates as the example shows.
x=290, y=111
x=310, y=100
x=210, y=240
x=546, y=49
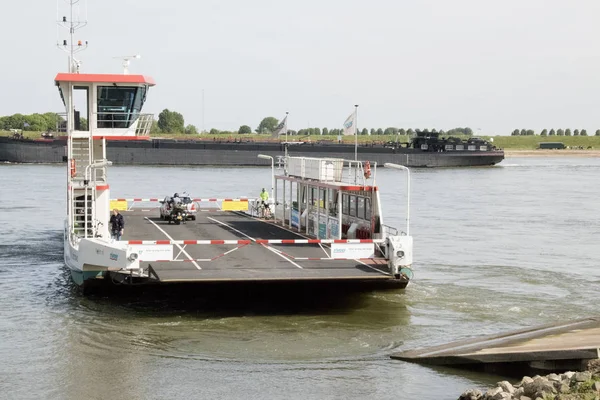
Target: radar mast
x=72, y=16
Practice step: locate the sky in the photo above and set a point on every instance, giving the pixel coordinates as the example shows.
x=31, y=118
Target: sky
x=491, y=65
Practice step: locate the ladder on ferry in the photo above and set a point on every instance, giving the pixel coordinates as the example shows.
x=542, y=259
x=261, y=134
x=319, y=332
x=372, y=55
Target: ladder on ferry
x=83, y=187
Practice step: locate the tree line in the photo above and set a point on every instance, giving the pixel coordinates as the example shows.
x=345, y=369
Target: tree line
x=552, y=132
x=173, y=122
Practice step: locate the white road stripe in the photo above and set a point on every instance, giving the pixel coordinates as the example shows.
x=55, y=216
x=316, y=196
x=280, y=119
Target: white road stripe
x=170, y=238
x=254, y=240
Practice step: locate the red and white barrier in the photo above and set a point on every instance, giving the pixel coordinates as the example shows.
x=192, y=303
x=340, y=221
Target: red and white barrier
x=198, y=200
x=257, y=241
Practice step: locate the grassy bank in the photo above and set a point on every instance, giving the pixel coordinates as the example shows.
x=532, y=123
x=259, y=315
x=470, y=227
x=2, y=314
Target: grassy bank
x=505, y=142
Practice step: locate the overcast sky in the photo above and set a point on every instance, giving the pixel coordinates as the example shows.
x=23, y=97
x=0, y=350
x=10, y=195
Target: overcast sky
x=490, y=65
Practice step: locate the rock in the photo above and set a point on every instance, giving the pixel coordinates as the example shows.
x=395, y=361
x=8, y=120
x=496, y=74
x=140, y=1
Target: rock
x=553, y=378
x=568, y=375
x=525, y=380
x=596, y=386
x=519, y=393
x=523, y=398
x=594, y=367
x=563, y=388
x=538, y=385
x=506, y=386
x=471, y=394
x=490, y=394
x=582, y=376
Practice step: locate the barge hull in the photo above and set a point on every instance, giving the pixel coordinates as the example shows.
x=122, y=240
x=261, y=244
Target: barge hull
x=159, y=152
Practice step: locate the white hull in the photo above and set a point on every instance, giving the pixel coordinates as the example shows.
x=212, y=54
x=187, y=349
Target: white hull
x=89, y=258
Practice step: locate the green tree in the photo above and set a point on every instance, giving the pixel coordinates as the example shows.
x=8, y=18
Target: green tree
x=170, y=121
x=402, y=131
x=583, y=132
x=597, y=132
x=390, y=131
x=244, y=130
x=325, y=131
x=567, y=132
x=154, y=128
x=576, y=132
x=364, y=132
x=37, y=122
x=560, y=132
x=544, y=132
x=551, y=133
x=318, y=131
x=410, y=131
x=530, y=132
x=373, y=131
x=267, y=125
x=214, y=131
x=191, y=130
x=515, y=133
x=523, y=132
x=380, y=131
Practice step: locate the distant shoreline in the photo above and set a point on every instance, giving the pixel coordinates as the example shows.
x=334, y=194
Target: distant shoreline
x=551, y=153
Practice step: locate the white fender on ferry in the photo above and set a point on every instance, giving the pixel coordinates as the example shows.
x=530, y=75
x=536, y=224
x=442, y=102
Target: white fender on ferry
x=400, y=253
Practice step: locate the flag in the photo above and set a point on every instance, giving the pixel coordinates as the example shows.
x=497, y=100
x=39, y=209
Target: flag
x=349, y=128
x=280, y=129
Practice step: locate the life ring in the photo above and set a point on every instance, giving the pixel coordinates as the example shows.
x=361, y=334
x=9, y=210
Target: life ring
x=367, y=169
x=73, y=171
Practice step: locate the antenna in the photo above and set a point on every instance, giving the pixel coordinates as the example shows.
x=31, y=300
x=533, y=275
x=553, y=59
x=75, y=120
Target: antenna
x=126, y=60
x=72, y=23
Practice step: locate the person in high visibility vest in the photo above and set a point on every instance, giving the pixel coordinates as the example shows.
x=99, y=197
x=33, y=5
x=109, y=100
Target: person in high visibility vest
x=264, y=199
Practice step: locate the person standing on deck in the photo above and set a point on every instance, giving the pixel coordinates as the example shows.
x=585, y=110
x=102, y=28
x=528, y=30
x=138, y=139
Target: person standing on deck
x=264, y=199
x=117, y=225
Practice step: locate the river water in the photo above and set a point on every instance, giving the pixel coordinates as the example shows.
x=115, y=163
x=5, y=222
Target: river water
x=496, y=248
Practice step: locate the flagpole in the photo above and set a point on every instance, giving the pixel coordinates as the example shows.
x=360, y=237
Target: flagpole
x=356, y=132
x=286, y=137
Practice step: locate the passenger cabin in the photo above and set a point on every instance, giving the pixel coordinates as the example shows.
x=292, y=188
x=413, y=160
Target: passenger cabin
x=329, y=198
x=98, y=107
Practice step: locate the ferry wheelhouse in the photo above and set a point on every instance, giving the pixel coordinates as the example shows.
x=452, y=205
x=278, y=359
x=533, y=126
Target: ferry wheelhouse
x=111, y=105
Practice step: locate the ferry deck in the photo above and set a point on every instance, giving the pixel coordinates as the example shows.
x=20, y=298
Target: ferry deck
x=245, y=261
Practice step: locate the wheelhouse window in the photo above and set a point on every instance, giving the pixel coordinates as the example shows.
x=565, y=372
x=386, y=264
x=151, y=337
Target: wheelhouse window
x=345, y=204
x=119, y=106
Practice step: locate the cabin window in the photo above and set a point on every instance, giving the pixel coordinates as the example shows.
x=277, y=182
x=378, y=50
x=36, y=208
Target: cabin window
x=368, y=209
x=322, y=198
x=352, y=206
x=345, y=204
x=361, y=208
x=119, y=106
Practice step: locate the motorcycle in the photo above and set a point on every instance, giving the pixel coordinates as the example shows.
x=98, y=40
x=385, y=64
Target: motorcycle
x=178, y=214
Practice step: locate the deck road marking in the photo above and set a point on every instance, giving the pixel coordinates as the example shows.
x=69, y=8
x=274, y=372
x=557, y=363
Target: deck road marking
x=254, y=240
x=170, y=238
x=301, y=235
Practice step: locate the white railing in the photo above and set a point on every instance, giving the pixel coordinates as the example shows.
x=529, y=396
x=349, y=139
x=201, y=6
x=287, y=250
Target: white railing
x=330, y=170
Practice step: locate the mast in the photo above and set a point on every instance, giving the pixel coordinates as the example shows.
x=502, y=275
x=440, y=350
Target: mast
x=72, y=23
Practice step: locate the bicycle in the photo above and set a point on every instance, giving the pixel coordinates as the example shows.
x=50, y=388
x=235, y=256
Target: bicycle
x=259, y=210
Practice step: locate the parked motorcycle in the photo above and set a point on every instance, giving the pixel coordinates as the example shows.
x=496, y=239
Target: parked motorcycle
x=178, y=214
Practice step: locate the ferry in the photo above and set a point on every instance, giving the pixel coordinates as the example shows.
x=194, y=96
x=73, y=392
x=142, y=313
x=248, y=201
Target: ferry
x=325, y=222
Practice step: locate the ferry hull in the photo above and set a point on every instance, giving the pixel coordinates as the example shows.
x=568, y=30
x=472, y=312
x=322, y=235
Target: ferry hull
x=93, y=259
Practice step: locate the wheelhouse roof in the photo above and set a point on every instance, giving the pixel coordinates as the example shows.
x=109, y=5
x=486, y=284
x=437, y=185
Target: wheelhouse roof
x=104, y=78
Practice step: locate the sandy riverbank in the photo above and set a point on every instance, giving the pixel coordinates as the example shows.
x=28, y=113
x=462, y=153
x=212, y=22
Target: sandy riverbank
x=552, y=153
